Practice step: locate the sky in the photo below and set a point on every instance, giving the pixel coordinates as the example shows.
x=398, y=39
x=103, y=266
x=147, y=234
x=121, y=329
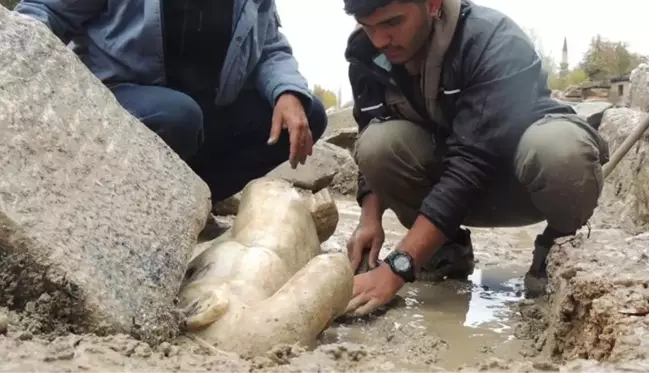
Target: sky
x=318, y=30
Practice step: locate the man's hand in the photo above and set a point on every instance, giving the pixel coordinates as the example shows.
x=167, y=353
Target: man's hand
x=373, y=289
x=378, y=286
x=289, y=113
x=367, y=235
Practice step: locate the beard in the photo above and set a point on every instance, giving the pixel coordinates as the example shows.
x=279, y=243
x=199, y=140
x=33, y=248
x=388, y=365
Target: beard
x=420, y=42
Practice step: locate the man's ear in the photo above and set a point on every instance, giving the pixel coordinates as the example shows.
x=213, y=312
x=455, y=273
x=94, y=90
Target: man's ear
x=434, y=7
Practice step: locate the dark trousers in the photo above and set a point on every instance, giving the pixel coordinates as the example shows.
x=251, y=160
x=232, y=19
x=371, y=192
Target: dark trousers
x=226, y=146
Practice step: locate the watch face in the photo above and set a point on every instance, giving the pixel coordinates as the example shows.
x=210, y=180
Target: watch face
x=401, y=263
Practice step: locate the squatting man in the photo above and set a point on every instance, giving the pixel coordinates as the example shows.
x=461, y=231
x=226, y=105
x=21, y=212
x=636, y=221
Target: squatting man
x=216, y=80
x=457, y=127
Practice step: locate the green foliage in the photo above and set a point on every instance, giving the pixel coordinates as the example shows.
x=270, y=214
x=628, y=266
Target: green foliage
x=607, y=59
x=9, y=4
x=574, y=77
x=603, y=60
x=327, y=97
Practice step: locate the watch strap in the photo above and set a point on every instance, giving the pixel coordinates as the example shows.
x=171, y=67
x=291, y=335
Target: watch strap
x=408, y=275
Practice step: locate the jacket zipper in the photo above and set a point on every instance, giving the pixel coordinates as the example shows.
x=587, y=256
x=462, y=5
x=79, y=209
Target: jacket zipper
x=162, y=40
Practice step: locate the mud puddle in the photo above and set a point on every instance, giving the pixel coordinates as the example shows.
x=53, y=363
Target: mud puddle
x=450, y=324
x=469, y=321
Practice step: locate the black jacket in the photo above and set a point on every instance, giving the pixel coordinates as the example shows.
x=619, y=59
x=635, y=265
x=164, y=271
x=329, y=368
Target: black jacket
x=492, y=88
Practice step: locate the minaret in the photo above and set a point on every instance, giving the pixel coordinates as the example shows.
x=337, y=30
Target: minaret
x=339, y=98
x=563, y=68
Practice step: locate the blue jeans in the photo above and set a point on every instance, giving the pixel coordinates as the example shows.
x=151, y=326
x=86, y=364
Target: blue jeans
x=225, y=146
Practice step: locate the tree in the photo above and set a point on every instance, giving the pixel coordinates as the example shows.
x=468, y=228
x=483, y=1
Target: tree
x=574, y=77
x=560, y=76
x=607, y=59
x=327, y=97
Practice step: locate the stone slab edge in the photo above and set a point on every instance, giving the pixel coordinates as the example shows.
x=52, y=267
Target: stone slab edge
x=596, y=289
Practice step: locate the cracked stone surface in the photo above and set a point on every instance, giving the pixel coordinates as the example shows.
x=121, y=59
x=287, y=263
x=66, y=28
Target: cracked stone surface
x=600, y=302
x=97, y=215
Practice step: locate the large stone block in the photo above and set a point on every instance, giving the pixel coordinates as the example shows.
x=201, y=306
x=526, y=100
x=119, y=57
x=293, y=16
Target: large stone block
x=317, y=172
x=329, y=166
x=343, y=137
x=338, y=119
x=625, y=198
x=98, y=217
x=639, y=88
x=593, y=111
x=600, y=301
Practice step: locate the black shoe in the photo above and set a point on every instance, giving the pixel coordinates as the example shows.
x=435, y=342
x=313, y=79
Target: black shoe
x=454, y=260
x=536, y=278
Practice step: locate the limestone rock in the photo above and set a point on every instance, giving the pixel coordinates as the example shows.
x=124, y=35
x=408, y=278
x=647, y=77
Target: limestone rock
x=592, y=111
x=317, y=172
x=95, y=209
x=625, y=198
x=639, y=88
x=329, y=166
x=344, y=181
x=583, y=365
x=342, y=118
x=343, y=137
x=600, y=299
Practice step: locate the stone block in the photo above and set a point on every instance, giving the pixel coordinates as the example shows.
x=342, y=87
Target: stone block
x=98, y=216
x=600, y=297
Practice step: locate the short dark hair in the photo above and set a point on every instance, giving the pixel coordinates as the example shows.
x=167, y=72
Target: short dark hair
x=363, y=8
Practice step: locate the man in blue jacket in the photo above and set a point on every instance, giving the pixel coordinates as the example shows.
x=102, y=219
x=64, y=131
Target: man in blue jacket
x=215, y=79
x=457, y=127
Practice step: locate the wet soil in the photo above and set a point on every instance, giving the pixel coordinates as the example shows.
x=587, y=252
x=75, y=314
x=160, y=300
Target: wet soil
x=482, y=323
x=470, y=320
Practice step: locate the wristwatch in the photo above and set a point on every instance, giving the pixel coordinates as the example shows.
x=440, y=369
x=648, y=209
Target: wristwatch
x=401, y=264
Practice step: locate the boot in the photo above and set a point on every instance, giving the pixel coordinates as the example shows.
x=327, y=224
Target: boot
x=454, y=260
x=536, y=278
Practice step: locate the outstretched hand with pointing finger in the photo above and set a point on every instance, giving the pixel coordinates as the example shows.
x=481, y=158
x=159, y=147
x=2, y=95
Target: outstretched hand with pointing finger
x=289, y=114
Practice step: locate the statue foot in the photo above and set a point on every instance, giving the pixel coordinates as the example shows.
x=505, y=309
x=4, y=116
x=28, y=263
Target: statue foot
x=323, y=208
x=205, y=310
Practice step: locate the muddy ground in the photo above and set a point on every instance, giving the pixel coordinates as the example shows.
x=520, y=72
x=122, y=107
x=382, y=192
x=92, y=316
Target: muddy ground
x=481, y=324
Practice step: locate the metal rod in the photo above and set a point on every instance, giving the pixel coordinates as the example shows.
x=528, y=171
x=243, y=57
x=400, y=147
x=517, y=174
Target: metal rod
x=628, y=143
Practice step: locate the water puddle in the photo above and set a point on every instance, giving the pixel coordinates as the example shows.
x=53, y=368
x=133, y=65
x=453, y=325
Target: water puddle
x=473, y=318
x=456, y=323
